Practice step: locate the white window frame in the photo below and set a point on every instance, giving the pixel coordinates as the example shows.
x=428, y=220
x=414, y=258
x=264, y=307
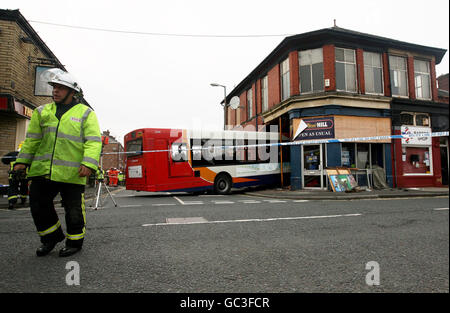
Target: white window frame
x=311, y=71
x=371, y=67
x=265, y=93
x=285, y=80
x=249, y=104
x=422, y=73
x=396, y=69
x=345, y=64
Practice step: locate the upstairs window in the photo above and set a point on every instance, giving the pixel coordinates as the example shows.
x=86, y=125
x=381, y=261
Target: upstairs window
x=345, y=70
x=422, y=79
x=311, y=70
x=285, y=82
x=415, y=119
x=264, y=94
x=399, y=76
x=249, y=104
x=373, y=73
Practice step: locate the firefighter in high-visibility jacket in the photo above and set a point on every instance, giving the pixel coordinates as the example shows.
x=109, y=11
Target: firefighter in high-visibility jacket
x=18, y=183
x=62, y=148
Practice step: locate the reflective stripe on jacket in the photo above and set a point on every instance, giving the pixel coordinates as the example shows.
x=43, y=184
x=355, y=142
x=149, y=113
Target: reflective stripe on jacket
x=58, y=147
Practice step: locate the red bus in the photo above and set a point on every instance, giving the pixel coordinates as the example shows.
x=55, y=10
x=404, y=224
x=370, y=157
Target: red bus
x=194, y=161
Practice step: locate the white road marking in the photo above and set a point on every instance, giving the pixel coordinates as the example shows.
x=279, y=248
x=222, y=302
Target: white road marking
x=300, y=200
x=440, y=209
x=223, y=202
x=275, y=201
x=162, y=204
x=131, y=205
x=178, y=199
x=188, y=202
x=254, y=220
x=249, y=201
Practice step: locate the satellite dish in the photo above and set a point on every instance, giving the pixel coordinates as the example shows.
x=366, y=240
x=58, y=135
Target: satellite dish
x=234, y=103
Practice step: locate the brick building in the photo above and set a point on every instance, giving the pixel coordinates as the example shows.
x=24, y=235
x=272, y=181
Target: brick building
x=113, y=156
x=346, y=84
x=22, y=53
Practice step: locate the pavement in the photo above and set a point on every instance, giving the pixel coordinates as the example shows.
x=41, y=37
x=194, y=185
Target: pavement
x=285, y=193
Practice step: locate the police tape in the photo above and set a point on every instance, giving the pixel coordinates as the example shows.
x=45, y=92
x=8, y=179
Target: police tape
x=292, y=143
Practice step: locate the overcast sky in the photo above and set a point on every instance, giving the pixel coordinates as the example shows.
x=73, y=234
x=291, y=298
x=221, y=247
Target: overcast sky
x=141, y=80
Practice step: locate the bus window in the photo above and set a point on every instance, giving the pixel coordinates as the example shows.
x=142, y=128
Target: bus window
x=134, y=147
x=179, y=152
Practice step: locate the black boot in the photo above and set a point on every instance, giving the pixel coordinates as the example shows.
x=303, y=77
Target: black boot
x=68, y=251
x=45, y=249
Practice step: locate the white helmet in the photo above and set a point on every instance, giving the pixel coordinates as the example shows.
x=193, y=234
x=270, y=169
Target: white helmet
x=58, y=76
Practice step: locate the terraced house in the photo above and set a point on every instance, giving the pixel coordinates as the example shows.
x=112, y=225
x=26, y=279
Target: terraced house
x=23, y=55
x=346, y=84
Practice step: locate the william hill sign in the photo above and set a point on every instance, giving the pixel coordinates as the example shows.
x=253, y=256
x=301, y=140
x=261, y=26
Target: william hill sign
x=317, y=128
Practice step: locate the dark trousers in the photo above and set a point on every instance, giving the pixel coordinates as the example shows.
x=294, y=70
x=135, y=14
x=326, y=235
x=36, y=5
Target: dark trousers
x=42, y=194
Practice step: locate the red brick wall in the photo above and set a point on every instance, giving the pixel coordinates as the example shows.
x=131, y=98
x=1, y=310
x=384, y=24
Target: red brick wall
x=412, y=91
x=360, y=71
x=258, y=97
x=443, y=82
x=329, y=71
x=386, y=77
x=254, y=99
x=273, y=81
x=243, y=100
x=293, y=73
x=434, y=90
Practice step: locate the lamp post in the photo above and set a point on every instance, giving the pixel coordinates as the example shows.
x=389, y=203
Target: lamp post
x=224, y=103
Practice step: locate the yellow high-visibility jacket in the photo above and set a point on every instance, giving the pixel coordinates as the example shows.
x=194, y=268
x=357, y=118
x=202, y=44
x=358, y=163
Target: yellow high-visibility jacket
x=56, y=148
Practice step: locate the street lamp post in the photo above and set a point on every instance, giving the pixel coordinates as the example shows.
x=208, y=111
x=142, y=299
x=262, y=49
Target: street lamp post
x=224, y=103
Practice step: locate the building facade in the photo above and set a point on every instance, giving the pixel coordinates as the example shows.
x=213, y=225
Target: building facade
x=113, y=153
x=22, y=55
x=345, y=84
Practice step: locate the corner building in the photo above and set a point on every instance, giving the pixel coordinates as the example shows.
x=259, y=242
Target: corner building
x=346, y=84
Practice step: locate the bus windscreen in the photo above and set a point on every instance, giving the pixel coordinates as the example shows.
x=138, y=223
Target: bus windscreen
x=134, y=147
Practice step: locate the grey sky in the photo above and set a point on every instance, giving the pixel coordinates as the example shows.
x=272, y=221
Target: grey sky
x=135, y=80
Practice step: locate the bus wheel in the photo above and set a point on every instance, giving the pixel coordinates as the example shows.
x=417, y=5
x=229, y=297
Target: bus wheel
x=222, y=184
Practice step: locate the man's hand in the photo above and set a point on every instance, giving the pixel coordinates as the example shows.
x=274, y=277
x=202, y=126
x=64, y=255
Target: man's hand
x=84, y=171
x=18, y=167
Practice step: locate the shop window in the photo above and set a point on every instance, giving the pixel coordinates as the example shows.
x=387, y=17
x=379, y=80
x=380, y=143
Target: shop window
x=422, y=120
x=416, y=160
x=415, y=119
x=407, y=119
x=348, y=154
x=362, y=155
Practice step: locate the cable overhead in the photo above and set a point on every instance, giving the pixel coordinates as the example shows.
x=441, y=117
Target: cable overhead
x=159, y=34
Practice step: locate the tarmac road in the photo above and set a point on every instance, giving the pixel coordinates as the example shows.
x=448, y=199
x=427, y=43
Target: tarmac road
x=238, y=243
